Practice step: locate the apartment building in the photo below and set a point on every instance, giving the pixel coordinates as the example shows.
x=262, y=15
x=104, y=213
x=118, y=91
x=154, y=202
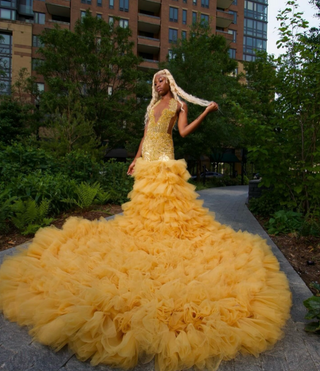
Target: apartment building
x=155, y=25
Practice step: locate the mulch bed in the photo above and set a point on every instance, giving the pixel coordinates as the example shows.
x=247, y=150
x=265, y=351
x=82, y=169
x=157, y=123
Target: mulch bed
x=303, y=253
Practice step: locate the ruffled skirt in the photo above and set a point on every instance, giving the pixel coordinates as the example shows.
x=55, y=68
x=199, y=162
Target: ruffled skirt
x=163, y=280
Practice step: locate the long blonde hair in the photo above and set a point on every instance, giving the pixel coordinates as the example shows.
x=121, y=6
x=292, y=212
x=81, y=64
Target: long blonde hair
x=176, y=91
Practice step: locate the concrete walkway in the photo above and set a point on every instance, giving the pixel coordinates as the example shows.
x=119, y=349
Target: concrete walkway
x=297, y=351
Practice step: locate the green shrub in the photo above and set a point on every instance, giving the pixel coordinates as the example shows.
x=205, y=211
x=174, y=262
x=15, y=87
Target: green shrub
x=29, y=217
x=114, y=179
x=313, y=306
x=284, y=221
x=40, y=186
x=81, y=166
x=5, y=210
x=86, y=194
x=19, y=158
x=265, y=205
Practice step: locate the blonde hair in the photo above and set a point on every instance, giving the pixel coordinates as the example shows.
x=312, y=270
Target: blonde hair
x=176, y=91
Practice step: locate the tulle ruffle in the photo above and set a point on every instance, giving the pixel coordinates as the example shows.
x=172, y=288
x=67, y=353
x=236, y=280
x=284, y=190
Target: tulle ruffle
x=164, y=280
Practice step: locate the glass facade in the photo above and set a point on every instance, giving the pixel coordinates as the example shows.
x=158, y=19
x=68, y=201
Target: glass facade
x=5, y=62
x=255, y=28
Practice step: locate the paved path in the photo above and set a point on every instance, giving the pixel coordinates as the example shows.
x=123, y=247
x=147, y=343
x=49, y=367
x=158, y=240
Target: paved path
x=297, y=351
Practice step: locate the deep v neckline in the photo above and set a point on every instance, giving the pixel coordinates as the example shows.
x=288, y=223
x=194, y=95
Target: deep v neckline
x=167, y=108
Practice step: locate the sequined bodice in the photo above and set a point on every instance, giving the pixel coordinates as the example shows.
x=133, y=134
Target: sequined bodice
x=158, y=144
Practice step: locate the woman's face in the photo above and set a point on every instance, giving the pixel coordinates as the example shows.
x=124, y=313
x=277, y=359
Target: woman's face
x=161, y=85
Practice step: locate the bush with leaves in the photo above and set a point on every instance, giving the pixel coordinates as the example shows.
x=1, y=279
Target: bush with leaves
x=28, y=217
x=40, y=186
x=283, y=222
x=115, y=180
x=5, y=210
x=88, y=194
x=313, y=306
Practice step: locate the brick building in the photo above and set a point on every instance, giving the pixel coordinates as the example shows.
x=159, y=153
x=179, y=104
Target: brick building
x=155, y=25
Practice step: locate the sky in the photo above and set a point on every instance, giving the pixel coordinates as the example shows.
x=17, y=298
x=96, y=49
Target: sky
x=273, y=7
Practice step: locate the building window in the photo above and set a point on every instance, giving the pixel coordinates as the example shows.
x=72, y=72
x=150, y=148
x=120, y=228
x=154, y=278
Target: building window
x=250, y=44
x=36, y=41
x=171, y=55
x=194, y=17
x=173, y=14
x=205, y=18
x=7, y=13
x=185, y=1
x=124, y=5
x=232, y=53
x=82, y=14
x=184, y=16
x=234, y=35
x=205, y=3
x=194, y=2
x=111, y=21
x=111, y=4
x=110, y=90
x=255, y=28
x=99, y=2
x=86, y=2
x=99, y=16
x=235, y=2
x=40, y=86
x=39, y=18
x=5, y=63
x=124, y=23
x=256, y=11
x=183, y=35
x=234, y=16
x=36, y=63
x=173, y=35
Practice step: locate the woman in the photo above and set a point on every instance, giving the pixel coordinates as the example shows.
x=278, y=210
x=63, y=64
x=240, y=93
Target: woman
x=163, y=280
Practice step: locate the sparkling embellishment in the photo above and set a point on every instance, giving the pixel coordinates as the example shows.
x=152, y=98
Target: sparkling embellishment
x=158, y=144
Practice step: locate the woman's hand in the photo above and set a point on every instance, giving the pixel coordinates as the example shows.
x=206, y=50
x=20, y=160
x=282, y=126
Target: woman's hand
x=131, y=168
x=213, y=106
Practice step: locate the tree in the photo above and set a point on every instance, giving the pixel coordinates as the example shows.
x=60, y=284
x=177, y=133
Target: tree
x=202, y=67
x=95, y=65
x=284, y=122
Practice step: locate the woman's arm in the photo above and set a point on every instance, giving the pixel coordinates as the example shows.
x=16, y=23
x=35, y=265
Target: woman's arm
x=184, y=128
x=139, y=153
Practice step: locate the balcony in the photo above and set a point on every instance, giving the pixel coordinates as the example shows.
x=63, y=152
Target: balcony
x=224, y=19
x=152, y=6
x=149, y=64
x=63, y=11
x=148, y=23
x=224, y=4
x=226, y=35
x=148, y=45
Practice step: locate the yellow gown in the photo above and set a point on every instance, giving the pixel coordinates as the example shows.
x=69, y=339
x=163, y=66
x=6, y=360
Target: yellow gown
x=163, y=280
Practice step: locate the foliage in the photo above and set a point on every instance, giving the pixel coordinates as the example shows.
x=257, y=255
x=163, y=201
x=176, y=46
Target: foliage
x=280, y=111
x=15, y=119
x=81, y=166
x=5, y=210
x=20, y=158
x=284, y=222
x=29, y=217
x=95, y=66
x=202, y=67
x=313, y=306
x=70, y=130
x=40, y=186
x=265, y=205
x=86, y=194
x=114, y=179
